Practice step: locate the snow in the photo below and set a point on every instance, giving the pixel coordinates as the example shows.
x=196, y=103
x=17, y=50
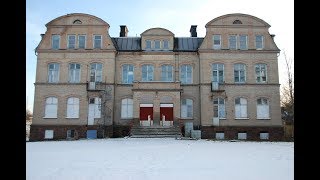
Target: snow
x=159, y=159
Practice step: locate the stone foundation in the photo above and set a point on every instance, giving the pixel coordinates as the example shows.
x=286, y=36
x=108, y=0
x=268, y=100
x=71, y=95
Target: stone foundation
x=253, y=133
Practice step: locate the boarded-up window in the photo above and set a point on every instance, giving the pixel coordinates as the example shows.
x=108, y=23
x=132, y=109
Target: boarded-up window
x=48, y=134
x=126, y=108
x=186, y=108
x=73, y=107
x=240, y=108
x=51, y=107
x=262, y=108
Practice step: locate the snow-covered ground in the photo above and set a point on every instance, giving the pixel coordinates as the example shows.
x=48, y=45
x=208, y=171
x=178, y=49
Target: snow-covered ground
x=159, y=159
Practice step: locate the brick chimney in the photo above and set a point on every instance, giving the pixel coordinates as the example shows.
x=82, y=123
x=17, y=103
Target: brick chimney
x=193, y=31
x=123, y=31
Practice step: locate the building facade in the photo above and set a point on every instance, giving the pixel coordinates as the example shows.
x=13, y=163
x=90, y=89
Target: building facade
x=89, y=84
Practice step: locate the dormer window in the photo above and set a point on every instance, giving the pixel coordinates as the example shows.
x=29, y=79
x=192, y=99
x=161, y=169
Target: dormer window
x=237, y=22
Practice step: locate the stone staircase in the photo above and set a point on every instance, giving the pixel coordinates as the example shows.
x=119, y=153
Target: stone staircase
x=155, y=132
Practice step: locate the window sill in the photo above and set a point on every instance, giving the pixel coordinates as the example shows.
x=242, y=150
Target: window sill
x=50, y=117
x=263, y=118
x=241, y=118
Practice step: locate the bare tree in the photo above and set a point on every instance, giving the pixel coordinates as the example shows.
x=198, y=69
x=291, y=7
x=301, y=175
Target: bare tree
x=287, y=91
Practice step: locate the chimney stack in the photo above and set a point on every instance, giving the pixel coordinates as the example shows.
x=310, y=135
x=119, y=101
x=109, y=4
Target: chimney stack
x=123, y=31
x=193, y=30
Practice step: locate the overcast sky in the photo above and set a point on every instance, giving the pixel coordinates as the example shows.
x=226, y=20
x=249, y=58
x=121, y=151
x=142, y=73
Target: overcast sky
x=140, y=15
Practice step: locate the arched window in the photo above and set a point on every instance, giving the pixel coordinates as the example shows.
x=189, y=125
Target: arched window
x=241, y=108
x=127, y=108
x=263, y=108
x=51, y=107
x=73, y=107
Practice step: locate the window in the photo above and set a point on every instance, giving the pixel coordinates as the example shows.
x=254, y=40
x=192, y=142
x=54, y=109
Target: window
x=219, y=135
x=74, y=73
x=219, y=108
x=262, y=108
x=232, y=41
x=96, y=72
x=71, y=41
x=148, y=44
x=186, y=74
x=261, y=73
x=166, y=73
x=82, y=41
x=259, y=42
x=239, y=73
x=97, y=41
x=51, y=107
x=216, y=41
x=73, y=107
x=53, y=72
x=147, y=72
x=264, y=135
x=242, y=135
x=165, y=44
x=97, y=106
x=157, y=44
x=55, y=41
x=186, y=108
x=127, y=108
x=241, y=108
x=70, y=133
x=48, y=134
x=217, y=73
x=243, y=42
x=127, y=73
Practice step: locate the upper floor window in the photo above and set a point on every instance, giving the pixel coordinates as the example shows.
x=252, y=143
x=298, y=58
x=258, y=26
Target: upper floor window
x=165, y=44
x=232, y=41
x=219, y=109
x=239, y=73
x=243, y=42
x=127, y=108
x=148, y=44
x=97, y=41
x=74, y=73
x=82, y=41
x=217, y=73
x=53, y=72
x=55, y=41
x=51, y=107
x=127, y=73
x=147, y=72
x=73, y=107
x=156, y=44
x=71, y=41
x=166, y=73
x=186, y=74
x=241, y=108
x=96, y=72
x=259, y=42
x=261, y=73
x=186, y=108
x=216, y=41
x=262, y=108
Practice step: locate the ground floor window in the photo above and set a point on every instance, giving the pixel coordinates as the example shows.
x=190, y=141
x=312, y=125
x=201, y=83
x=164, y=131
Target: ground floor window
x=264, y=135
x=242, y=135
x=70, y=133
x=219, y=135
x=48, y=134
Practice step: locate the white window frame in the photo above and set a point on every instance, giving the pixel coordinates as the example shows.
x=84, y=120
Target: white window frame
x=85, y=41
x=220, y=135
x=184, y=69
x=235, y=41
x=68, y=40
x=187, y=108
x=126, y=73
x=73, y=107
x=239, y=67
x=262, y=42
x=53, y=74
x=218, y=46
x=242, y=135
x=246, y=41
x=148, y=41
x=264, y=135
x=127, y=108
x=94, y=41
x=218, y=68
x=96, y=73
x=165, y=73
x=155, y=42
x=221, y=108
x=51, y=103
x=53, y=41
x=75, y=73
x=48, y=134
x=263, y=108
x=149, y=72
x=165, y=42
x=241, y=109
x=259, y=73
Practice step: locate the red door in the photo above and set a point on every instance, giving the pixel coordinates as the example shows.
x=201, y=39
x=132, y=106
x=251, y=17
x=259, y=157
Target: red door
x=145, y=112
x=167, y=111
